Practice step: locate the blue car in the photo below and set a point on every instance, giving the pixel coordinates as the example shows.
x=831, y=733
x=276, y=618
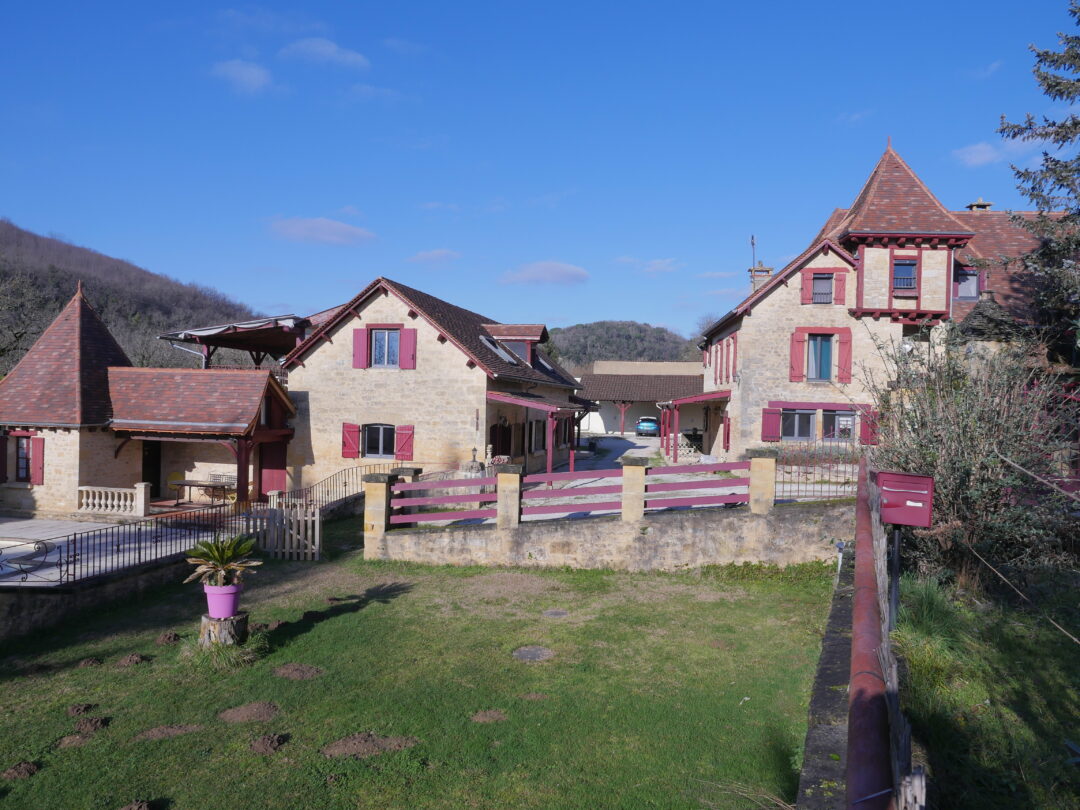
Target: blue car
x=647, y=426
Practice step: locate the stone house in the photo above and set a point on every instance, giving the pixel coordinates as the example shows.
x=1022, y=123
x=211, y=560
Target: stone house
x=788, y=362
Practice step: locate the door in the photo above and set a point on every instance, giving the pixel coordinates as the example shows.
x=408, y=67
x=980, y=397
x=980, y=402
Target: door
x=151, y=466
x=271, y=468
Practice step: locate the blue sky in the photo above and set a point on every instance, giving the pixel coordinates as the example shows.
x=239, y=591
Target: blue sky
x=555, y=162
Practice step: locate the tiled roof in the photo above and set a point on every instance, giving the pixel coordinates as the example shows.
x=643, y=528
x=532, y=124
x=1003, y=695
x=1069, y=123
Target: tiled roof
x=996, y=235
x=988, y=320
x=62, y=379
x=516, y=331
x=189, y=400
x=461, y=326
x=895, y=200
x=640, y=387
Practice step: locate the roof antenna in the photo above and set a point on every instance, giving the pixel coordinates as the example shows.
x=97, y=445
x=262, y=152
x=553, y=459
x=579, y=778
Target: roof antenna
x=753, y=251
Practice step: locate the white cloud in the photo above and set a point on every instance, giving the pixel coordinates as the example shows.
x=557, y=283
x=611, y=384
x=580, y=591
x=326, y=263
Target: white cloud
x=324, y=51
x=439, y=206
x=983, y=153
x=244, y=77
x=854, y=117
x=717, y=274
x=403, y=46
x=350, y=211
x=546, y=273
x=987, y=71
x=367, y=92
x=321, y=230
x=435, y=256
x=651, y=266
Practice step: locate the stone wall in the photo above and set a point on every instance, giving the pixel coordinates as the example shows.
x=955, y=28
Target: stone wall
x=668, y=541
x=195, y=461
x=101, y=466
x=59, y=492
x=30, y=610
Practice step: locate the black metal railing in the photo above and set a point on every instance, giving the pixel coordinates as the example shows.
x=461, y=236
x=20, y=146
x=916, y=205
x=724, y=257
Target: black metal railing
x=903, y=283
x=823, y=297
x=818, y=470
x=347, y=483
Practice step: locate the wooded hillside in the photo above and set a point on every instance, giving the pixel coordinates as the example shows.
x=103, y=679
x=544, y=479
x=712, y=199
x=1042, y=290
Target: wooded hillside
x=38, y=275
x=583, y=343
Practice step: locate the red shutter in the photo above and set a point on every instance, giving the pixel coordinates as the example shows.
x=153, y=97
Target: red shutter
x=770, y=424
x=729, y=366
x=3, y=458
x=407, y=349
x=839, y=295
x=807, y=286
x=350, y=441
x=37, y=460
x=716, y=364
x=734, y=355
x=868, y=426
x=727, y=432
x=403, y=442
x=797, y=371
x=723, y=361
x=704, y=357
x=360, y=354
x=843, y=372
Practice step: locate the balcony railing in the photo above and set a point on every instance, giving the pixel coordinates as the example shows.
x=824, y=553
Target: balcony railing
x=823, y=297
x=903, y=283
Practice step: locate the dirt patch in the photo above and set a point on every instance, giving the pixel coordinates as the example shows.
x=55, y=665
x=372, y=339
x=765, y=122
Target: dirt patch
x=359, y=746
x=21, y=770
x=534, y=696
x=138, y=806
x=298, y=672
x=259, y=627
x=258, y=712
x=268, y=743
x=556, y=613
x=79, y=709
x=167, y=638
x=165, y=732
x=73, y=741
x=488, y=716
x=276, y=625
x=132, y=660
x=88, y=662
x=719, y=644
x=532, y=653
x=91, y=725
x=511, y=585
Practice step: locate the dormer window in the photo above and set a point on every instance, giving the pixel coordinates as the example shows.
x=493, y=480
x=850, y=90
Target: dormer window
x=522, y=348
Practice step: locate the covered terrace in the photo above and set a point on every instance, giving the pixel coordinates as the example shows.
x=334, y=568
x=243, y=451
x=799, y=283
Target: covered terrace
x=523, y=425
x=709, y=410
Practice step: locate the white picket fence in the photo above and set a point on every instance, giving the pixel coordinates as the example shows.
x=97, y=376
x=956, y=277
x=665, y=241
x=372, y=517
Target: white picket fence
x=288, y=532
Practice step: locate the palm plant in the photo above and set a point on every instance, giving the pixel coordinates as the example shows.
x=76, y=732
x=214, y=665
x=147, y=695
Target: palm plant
x=216, y=559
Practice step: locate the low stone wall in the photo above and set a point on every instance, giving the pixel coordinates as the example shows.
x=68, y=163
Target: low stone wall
x=667, y=541
x=25, y=610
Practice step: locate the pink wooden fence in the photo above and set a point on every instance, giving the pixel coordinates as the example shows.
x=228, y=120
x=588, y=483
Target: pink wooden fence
x=709, y=481
x=563, y=507
x=402, y=500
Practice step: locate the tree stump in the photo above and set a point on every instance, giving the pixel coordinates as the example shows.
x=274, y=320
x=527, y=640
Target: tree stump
x=233, y=630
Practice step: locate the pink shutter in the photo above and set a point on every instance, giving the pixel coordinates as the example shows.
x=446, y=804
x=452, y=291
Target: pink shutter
x=797, y=370
x=770, y=424
x=734, y=355
x=723, y=360
x=729, y=361
x=403, y=442
x=3, y=458
x=360, y=355
x=407, y=349
x=807, y=287
x=716, y=364
x=37, y=460
x=843, y=372
x=839, y=295
x=868, y=426
x=350, y=441
x=727, y=432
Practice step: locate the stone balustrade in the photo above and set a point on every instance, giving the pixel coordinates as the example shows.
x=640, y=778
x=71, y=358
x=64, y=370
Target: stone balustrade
x=134, y=502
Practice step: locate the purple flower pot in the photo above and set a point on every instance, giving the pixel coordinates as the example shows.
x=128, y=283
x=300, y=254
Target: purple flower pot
x=222, y=601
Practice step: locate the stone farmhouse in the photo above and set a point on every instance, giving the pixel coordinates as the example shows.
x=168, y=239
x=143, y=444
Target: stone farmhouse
x=394, y=375
x=788, y=362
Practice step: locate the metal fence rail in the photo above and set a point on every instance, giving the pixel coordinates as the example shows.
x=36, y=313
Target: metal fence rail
x=817, y=470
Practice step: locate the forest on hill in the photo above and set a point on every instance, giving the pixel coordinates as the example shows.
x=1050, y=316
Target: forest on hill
x=579, y=345
x=38, y=276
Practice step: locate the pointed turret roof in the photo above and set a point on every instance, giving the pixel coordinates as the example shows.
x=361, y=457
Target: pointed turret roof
x=895, y=200
x=63, y=380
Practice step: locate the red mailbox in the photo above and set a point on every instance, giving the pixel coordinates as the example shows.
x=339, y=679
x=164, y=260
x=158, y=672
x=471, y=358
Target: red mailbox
x=906, y=500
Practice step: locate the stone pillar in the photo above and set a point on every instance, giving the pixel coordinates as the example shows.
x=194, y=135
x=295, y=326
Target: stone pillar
x=508, y=490
x=142, y=499
x=633, y=488
x=762, y=485
x=377, y=494
x=409, y=475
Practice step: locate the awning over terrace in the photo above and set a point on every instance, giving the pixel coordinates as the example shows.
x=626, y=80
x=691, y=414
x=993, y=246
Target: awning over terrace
x=669, y=419
x=575, y=408
x=274, y=337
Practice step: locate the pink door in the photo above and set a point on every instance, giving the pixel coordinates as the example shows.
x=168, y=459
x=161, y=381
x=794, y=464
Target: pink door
x=271, y=468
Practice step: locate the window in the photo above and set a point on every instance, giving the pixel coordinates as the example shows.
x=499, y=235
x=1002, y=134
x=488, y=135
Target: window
x=838, y=425
x=819, y=357
x=384, y=348
x=537, y=436
x=379, y=441
x=904, y=275
x=797, y=425
x=823, y=288
x=22, y=459
x=966, y=285
x=518, y=347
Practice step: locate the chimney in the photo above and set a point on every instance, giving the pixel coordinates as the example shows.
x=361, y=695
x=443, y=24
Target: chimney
x=979, y=205
x=759, y=276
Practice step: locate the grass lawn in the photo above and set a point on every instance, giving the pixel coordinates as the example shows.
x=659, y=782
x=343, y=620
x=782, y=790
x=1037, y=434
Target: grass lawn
x=662, y=688
x=992, y=692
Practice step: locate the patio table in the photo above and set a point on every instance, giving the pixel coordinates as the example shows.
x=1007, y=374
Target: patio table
x=213, y=486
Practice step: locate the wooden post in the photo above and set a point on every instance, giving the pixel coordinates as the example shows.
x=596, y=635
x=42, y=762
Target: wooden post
x=633, y=488
x=762, y=485
x=377, y=509
x=675, y=436
x=233, y=630
x=622, y=406
x=508, y=490
x=550, y=427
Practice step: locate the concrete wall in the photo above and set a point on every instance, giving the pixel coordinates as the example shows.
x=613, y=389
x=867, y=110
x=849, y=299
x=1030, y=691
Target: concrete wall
x=669, y=541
